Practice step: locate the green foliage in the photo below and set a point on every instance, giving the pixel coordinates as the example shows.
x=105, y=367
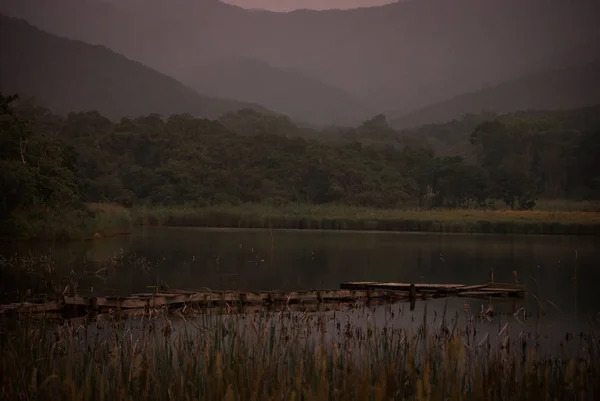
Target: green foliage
x=52, y=164
x=35, y=174
x=458, y=185
x=542, y=156
x=38, y=178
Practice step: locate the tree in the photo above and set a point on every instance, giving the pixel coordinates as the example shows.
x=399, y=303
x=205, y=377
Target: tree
x=35, y=170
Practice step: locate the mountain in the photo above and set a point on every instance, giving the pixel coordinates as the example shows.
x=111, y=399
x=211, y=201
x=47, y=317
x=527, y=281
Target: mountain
x=402, y=56
x=286, y=91
x=572, y=87
x=291, y=5
x=67, y=75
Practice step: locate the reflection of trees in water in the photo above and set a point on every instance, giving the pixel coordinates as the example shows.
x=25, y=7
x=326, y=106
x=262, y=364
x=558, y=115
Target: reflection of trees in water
x=27, y=277
x=287, y=260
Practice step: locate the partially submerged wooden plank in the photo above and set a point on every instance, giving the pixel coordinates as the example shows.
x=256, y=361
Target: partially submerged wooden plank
x=507, y=286
x=504, y=290
x=440, y=290
x=122, y=302
x=481, y=294
x=471, y=287
x=398, y=286
x=77, y=301
x=27, y=307
x=350, y=292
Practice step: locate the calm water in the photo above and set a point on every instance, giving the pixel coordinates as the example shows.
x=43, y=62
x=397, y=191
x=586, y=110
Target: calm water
x=564, y=270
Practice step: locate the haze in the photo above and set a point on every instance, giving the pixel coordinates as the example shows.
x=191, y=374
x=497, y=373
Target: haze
x=406, y=59
x=162, y=159
x=289, y=5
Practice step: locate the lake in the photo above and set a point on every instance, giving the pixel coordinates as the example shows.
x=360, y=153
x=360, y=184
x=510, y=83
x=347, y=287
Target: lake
x=560, y=272
x=561, y=269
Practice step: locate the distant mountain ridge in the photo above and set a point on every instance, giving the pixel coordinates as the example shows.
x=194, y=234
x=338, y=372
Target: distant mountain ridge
x=572, y=87
x=403, y=56
x=67, y=75
x=289, y=92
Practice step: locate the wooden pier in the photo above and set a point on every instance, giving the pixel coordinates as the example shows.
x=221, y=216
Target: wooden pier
x=205, y=299
x=488, y=290
x=349, y=294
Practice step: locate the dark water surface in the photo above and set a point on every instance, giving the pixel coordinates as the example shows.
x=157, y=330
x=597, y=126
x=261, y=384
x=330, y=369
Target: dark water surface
x=562, y=270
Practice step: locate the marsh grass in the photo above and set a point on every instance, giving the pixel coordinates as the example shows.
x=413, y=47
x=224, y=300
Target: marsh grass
x=28, y=277
x=107, y=220
x=77, y=224
x=563, y=205
x=287, y=356
x=336, y=217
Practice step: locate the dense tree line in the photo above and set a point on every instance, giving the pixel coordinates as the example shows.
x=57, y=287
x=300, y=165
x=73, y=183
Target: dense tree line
x=51, y=163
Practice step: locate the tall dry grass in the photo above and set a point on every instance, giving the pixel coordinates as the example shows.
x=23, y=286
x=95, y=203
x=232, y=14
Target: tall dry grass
x=83, y=223
x=338, y=217
x=286, y=356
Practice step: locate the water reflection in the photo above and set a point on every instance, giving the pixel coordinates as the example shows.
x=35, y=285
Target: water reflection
x=560, y=272
x=355, y=326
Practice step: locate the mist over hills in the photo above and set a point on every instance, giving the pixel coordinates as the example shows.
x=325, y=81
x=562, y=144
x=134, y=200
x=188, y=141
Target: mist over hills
x=282, y=90
x=572, y=87
x=396, y=58
x=67, y=75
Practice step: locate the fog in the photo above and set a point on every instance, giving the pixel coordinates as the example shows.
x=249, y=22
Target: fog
x=340, y=66
x=290, y=5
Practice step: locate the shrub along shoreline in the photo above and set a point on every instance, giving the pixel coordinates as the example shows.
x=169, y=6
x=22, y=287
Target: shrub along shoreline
x=337, y=217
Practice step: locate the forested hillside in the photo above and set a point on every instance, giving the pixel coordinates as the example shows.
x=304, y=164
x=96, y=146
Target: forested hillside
x=51, y=164
x=67, y=75
x=452, y=137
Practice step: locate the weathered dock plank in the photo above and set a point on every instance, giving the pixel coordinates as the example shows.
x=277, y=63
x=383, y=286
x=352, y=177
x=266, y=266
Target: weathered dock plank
x=397, y=286
x=158, y=300
x=491, y=289
x=506, y=286
x=481, y=294
x=349, y=293
x=27, y=307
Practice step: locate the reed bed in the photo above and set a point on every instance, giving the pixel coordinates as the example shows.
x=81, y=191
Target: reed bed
x=336, y=217
x=107, y=220
x=27, y=277
x=563, y=205
x=86, y=223
x=288, y=356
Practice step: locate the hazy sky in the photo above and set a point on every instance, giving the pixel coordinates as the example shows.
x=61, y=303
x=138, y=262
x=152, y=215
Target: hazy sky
x=288, y=5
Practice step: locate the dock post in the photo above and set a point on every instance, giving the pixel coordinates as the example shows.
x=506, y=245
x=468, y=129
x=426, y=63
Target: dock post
x=412, y=295
x=491, y=276
x=515, y=278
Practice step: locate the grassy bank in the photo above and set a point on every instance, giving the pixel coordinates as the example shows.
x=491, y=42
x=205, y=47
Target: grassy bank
x=99, y=220
x=333, y=217
x=95, y=220
x=286, y=357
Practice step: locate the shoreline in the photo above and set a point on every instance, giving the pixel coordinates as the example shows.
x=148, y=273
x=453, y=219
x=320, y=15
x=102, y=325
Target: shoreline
x=340, y=231
x=336, y=218
x=113, y=220
x=534, y=230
